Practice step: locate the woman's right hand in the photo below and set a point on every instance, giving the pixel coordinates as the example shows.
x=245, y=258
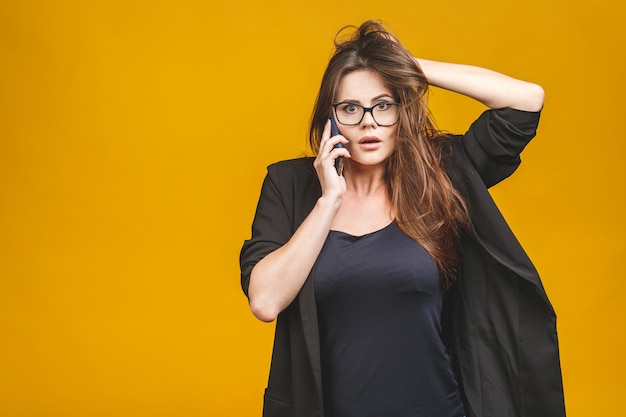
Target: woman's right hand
x=333, y=185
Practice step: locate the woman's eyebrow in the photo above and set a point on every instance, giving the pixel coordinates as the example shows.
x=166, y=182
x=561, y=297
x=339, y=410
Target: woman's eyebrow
x=378, y=97
x=382, y=96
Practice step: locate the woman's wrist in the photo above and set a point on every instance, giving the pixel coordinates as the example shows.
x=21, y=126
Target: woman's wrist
x=328, y=205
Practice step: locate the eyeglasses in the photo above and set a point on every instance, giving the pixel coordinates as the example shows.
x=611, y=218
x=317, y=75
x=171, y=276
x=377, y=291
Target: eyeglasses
x=384, y=113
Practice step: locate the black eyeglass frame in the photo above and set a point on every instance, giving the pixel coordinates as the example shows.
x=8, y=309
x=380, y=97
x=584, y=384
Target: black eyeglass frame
x=365, y=110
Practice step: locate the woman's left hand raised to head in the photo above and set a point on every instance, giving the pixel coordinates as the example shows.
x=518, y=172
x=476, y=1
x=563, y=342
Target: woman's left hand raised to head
x=493, y=89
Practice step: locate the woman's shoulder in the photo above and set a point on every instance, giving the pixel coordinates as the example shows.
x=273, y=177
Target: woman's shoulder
x=450, y=145
x=298, y=171
x=296, y=165
x=492, y=145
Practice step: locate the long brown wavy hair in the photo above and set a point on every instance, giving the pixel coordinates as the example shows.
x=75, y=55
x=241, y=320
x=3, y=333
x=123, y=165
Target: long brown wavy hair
x=428, y=208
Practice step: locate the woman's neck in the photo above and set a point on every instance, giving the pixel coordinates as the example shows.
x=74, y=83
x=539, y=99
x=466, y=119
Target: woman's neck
x=366, y=205
x=364, y=180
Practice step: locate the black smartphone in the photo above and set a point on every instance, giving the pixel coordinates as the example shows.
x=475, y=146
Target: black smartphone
x=333, y=132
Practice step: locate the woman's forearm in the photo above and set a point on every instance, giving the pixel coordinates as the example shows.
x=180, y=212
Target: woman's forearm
x=493, y=89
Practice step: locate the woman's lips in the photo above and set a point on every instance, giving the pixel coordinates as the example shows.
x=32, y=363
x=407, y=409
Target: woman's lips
x=369, y=142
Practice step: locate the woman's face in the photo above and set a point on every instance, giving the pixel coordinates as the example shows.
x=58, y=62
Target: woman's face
x=369, y=144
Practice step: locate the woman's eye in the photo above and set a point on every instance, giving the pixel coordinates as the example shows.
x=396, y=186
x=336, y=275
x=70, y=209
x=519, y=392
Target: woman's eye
x=382, y=106
x=350, y=108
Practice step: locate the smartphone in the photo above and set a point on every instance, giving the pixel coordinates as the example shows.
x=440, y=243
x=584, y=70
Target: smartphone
x=333, y=132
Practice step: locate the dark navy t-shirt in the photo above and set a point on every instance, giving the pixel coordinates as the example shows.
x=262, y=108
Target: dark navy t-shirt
x=379, y=305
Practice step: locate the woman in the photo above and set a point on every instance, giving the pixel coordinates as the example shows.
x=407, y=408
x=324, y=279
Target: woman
x=398, y=287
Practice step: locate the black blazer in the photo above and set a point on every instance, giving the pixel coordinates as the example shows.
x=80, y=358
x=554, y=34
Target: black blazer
x=498, y=322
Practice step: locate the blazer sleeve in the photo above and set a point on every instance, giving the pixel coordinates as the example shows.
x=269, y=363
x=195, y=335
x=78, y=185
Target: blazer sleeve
x=495, y=140
x=271, y=227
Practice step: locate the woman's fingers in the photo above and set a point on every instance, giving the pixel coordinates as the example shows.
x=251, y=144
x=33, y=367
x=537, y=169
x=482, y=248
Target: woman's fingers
x=329, y=151
x=328, y=145
x=331, y=183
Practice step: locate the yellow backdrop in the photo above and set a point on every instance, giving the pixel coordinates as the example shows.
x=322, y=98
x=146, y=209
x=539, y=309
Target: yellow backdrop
x=134, y=137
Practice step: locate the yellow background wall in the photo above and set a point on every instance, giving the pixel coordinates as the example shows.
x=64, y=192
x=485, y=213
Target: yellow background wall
x=134, y=137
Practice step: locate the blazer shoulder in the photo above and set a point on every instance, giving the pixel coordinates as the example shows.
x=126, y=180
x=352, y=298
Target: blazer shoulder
x=293, y=173
x=292, y=166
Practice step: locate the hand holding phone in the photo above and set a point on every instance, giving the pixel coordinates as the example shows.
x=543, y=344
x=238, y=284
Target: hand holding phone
x=333, y=132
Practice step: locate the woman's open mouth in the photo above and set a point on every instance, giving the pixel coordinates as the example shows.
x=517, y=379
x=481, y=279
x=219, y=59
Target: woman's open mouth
x=369, y=142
